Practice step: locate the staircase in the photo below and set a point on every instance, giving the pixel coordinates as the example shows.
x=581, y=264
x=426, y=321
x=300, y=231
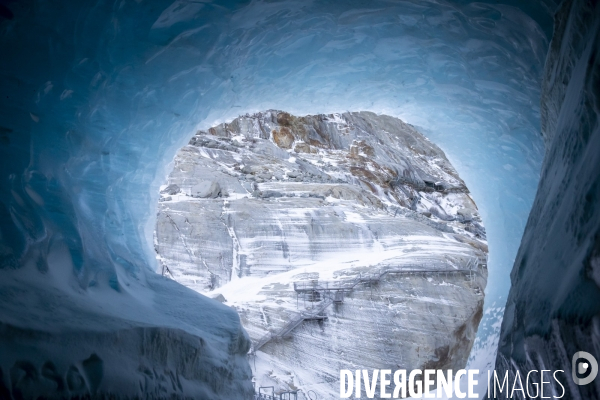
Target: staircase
x=334, y=291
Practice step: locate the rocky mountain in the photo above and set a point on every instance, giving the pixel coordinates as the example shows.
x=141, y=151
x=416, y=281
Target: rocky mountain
x=272, y=202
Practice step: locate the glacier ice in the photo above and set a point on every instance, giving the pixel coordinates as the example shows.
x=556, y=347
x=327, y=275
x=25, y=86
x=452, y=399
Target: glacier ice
x=553, y=309
x=97, y=97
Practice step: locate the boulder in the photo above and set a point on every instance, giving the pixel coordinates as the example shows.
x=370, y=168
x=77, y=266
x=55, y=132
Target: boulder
x=206, y=189
x=219, y=297
x=283, y=137
x=171, y=189
x=465, y=214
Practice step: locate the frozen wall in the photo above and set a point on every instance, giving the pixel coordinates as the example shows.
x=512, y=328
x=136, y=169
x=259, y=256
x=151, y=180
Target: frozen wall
x=98, y=96
x=553, y=310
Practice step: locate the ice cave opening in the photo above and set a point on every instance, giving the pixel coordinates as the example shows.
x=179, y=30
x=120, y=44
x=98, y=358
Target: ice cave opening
x=99, y=97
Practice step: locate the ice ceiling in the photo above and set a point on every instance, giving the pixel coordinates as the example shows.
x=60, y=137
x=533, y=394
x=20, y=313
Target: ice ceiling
x=97, y=96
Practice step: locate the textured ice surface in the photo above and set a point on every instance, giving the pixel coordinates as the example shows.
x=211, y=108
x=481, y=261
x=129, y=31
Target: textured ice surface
x=147, y=341
x=553, y=310
x=98, y=96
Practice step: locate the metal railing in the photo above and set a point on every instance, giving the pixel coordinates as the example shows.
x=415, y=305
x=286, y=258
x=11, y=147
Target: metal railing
x=316, y=286
x=289, y=395
x=334, y=291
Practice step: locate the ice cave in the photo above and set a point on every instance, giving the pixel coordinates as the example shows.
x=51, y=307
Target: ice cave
x=210, y=199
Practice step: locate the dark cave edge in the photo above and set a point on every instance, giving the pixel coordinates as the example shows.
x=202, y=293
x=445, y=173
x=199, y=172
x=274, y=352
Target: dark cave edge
x=553, y=308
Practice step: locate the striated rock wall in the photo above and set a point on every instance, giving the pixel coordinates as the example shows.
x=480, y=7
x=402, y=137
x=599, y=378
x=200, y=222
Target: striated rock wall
x=270, y=199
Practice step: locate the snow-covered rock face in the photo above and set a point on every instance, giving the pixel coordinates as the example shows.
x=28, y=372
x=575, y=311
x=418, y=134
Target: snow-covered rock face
x=98, y=96
x=553, y=310
x=269, y=201
x=273, y=192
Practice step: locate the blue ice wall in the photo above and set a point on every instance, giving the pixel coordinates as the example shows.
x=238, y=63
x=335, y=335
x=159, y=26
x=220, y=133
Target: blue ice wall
x=97, y=96
x=553, y=308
